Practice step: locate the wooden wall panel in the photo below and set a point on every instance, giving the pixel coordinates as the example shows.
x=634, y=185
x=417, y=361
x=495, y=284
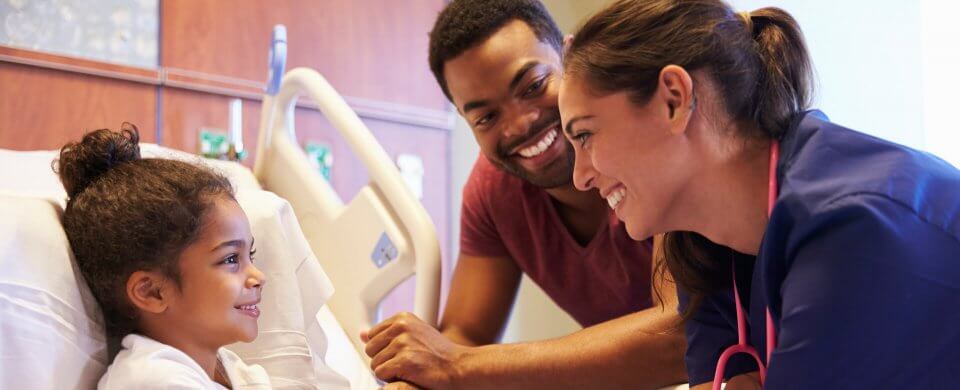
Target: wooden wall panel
x=373, y=49
x=44, y=108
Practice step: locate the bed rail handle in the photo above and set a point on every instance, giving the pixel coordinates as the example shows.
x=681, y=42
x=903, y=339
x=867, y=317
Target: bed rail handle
x=383, y=173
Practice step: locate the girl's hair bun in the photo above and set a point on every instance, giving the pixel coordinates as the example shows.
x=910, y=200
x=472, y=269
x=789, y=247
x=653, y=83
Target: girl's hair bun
x=81, y=163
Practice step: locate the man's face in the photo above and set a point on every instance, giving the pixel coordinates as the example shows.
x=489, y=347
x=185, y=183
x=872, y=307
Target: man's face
x=506, y=89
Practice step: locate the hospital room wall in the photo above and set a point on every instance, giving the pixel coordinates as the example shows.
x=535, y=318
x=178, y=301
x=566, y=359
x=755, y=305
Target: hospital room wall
x=366, y=48
x=884, y=67
x=867, y=58
x=33, y=100
x=210, y=52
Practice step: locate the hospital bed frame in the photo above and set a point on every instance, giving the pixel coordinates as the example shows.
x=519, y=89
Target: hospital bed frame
x=367, y=246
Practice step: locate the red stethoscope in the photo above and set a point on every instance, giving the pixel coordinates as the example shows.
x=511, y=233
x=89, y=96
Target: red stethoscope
x=742, y=346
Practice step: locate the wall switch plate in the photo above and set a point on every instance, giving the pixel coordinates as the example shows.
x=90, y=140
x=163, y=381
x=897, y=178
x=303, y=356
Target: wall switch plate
x=411, y=170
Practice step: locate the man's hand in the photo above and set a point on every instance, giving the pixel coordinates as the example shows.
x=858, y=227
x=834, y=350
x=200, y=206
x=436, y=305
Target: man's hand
x=404, y=348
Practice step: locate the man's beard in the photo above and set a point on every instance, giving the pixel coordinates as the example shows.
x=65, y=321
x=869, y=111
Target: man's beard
x=559, y=172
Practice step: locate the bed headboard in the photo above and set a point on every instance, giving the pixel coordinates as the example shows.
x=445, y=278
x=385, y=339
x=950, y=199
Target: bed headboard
x=367, y=245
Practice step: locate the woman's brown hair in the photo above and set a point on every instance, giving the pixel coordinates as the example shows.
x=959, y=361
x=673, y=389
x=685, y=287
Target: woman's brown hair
x=125, y=214
x=758, y=62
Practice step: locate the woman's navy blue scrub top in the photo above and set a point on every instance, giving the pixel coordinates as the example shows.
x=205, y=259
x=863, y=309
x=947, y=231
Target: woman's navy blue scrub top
x=859, y=264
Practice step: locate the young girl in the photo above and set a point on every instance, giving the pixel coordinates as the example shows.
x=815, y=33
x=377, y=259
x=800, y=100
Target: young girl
x=168, y=254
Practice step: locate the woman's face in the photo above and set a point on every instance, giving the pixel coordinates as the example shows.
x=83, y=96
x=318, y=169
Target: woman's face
x=636, y=156
x=220, y=286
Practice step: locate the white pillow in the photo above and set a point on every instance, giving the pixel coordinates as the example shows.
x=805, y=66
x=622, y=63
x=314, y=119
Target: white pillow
x=30, y=174
x=241, y=176
x=290, y=345
x=51, y=329
x=34, y=176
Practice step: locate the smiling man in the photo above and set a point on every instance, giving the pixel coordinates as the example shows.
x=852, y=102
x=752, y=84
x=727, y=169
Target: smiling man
x=498, y=61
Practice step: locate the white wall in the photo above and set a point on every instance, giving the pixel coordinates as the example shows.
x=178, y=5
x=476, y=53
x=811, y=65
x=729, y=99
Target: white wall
x=569, y=14
x=867, y=58
x=884, y=67
x=463, y=152
x=941, y=77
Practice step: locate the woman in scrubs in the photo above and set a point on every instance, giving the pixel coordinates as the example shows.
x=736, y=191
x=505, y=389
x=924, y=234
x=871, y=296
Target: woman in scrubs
x=808, y=255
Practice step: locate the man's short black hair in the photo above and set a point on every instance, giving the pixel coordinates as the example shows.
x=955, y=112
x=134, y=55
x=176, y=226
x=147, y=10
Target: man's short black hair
x=467, y=23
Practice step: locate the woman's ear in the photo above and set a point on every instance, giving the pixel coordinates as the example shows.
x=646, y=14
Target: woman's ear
x=147, y=291
x=675, y=88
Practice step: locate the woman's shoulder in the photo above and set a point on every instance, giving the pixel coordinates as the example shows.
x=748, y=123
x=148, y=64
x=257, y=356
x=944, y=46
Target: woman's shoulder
x=825, y=165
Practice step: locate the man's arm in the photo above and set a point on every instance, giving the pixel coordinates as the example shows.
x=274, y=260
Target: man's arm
x=481, y=295
x=633, y=351
x=641, y=350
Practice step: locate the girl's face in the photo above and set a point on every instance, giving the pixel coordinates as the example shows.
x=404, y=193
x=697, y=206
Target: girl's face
x=220, y=286
x=636, y=156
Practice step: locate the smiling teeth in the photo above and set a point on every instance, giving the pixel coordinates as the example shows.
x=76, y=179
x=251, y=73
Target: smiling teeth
x=540, y=147
x=247, y=307
x=614, y=199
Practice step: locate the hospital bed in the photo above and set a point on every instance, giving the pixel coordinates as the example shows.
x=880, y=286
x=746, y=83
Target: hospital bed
x=309, y=241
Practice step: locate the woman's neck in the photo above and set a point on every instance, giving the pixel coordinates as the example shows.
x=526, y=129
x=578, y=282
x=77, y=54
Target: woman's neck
x=728, y=201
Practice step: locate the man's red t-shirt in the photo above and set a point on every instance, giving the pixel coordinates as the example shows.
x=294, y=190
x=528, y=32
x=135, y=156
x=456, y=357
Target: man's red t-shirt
x=504, y=216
